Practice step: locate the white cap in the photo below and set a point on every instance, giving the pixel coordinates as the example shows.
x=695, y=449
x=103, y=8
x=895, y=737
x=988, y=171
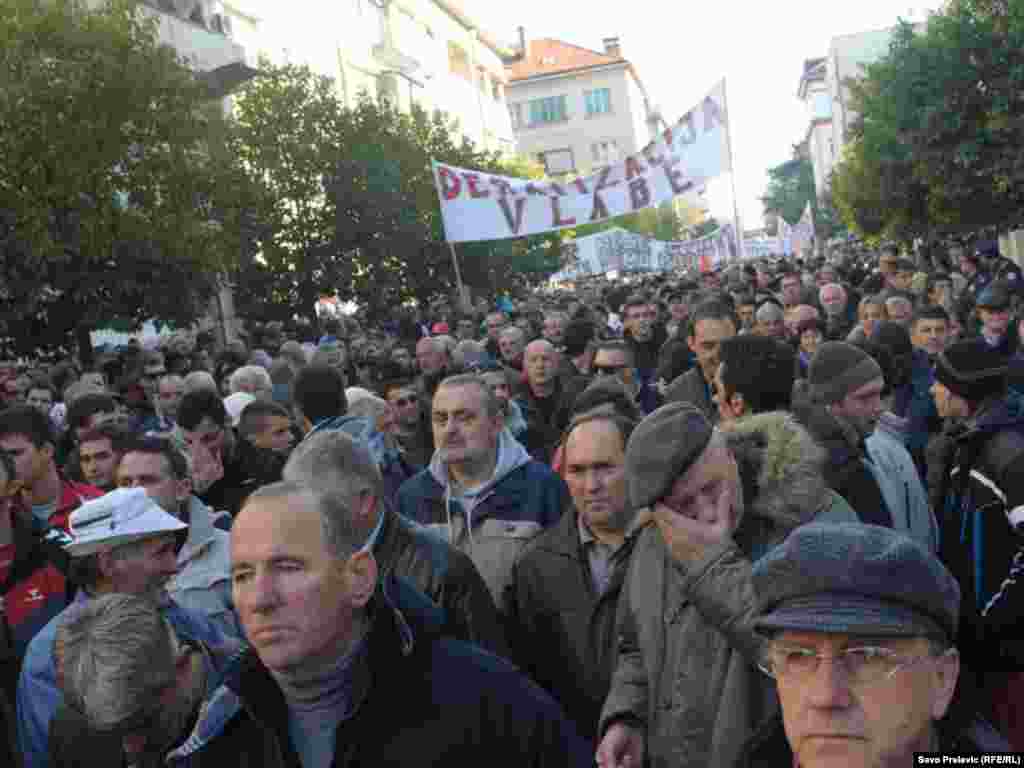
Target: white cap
x=354, y=394
x=120, y=517
x=235, y=404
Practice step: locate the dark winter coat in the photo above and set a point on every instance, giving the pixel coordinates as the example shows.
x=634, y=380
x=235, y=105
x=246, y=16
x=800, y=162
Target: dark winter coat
x=446, y=576
x=692, y=388
x=561, y=630
x=433, y=702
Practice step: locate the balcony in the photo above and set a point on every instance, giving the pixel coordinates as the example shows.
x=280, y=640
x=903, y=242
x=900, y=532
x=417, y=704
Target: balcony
x=196, y=32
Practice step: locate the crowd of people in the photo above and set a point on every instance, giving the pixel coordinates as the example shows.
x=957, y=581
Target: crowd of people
x=622, y=524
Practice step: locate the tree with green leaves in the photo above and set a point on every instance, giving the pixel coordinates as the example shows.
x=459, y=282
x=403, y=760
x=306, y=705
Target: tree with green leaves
x=940, y=123
x=116, y=198
x=348, y=205
x=791, y=187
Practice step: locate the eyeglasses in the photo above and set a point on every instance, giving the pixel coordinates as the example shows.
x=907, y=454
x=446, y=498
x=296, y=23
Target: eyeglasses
x=862, y=665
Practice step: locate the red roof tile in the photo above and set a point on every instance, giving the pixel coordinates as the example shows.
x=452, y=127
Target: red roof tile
x=548, y=57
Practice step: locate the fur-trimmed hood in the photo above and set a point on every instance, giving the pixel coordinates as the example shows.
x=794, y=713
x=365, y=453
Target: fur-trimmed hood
x=780, y=467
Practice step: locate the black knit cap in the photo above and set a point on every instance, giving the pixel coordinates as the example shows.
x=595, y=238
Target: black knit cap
x=578, y=334
x=839, y=368
x=971, y=369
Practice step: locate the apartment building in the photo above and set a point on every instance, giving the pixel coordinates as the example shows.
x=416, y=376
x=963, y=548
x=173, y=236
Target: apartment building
x=429, y=52
x=574, y=109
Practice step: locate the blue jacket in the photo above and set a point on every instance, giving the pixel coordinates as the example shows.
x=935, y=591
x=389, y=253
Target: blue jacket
x=914, y=402
x=434, y=701
x=522, y=498
x=39, y=696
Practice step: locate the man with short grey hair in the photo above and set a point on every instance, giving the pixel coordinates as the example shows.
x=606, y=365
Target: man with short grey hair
x=121, y=542
x=132, y=688
x=839, y=320
x=340, y=656
x=859, y=624
x=332, y=461
x=770, y=320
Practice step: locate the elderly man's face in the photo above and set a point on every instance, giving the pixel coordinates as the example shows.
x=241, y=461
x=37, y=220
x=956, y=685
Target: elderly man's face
x=774, y=327
x=146, y=567
x=541, y=364
x=431, y=356
x=833, y=300
x=298, y=601
x=834, y=720
x=595, y=471
x=464, y=432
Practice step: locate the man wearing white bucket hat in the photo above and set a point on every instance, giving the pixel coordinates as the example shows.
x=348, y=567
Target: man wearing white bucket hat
x=121, y=542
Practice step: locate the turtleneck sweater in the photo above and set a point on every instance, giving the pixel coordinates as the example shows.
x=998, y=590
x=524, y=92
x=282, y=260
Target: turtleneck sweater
x=320, y=700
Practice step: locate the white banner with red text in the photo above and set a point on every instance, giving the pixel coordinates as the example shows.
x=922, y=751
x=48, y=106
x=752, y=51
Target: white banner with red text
x=680, y=160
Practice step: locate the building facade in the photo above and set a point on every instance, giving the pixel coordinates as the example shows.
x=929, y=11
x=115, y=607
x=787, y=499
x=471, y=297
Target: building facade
x=576, y=110
x=428, y=52
x=819, y=142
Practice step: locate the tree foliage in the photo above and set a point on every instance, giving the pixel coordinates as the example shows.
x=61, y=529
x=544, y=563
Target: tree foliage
x=116, y=200
x=941, y=116
x=790, y=188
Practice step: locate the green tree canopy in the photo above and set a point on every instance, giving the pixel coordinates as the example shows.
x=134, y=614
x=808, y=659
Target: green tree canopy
x=116, y=200
x=941, y=118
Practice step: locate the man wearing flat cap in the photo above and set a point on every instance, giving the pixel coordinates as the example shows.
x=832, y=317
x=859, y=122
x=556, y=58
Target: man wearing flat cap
x=122, y=542
x=859, y=625
x=685, y=689
x=994, y=309
x=977, y=466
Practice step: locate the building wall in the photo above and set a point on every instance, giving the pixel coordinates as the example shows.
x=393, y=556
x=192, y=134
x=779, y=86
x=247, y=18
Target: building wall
x=625, y=125
x=847, y=55
x=822, y=157
x=361, y=45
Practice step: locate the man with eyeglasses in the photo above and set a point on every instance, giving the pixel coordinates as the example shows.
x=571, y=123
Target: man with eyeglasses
x=859, y=624
x=615, y=358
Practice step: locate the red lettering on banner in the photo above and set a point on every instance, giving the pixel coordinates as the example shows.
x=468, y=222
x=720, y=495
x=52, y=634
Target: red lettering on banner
x=556, y=214
x=602, y=180
x=473, y=185
x=533, y=189
x=504, y=188
x=515, y=223
x=581, y=185
x=652, y=158
x=600, y=210
x=639, y=194
x=675, y=177
x=633, y=168
x=557, y=189
x=451, y=185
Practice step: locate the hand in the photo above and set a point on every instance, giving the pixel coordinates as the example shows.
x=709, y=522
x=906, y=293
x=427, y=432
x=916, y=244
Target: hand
x=207, y=467
x=621, y=747
x=688, y=538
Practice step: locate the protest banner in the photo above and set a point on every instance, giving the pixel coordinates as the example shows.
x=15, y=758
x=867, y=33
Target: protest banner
x=621, y=251
x=481, y=206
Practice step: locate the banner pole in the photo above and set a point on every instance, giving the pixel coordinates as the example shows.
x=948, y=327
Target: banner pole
x=732, y=170
x=458, y=278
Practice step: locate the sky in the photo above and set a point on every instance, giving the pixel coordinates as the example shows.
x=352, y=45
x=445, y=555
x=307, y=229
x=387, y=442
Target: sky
x=682, y=50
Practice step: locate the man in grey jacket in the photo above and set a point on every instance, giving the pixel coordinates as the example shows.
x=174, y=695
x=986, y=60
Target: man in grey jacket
x=686, y=690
